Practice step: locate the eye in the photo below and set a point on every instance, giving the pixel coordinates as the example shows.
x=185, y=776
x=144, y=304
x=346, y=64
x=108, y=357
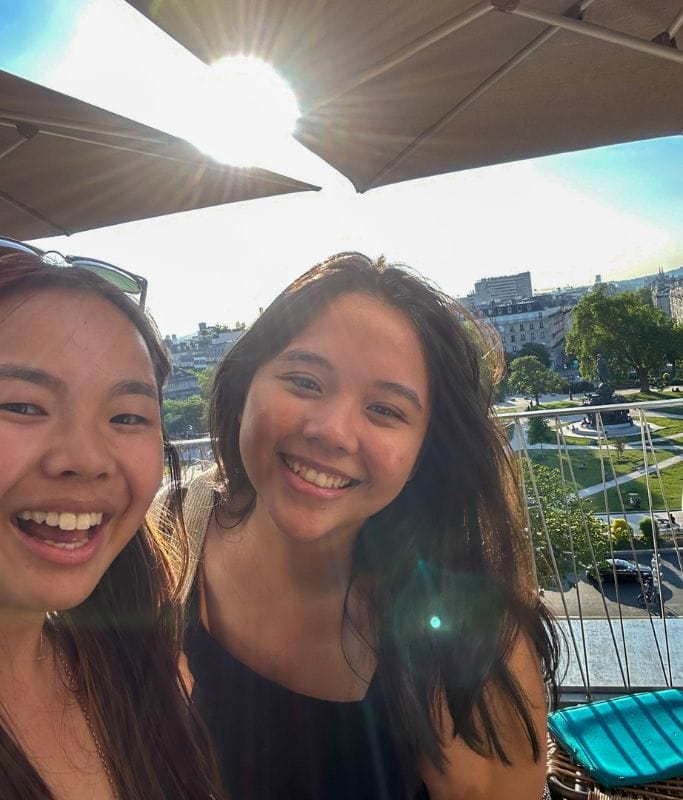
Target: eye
x=130, y=419
x=23, y=409
x=303, y=382
x=386, y=411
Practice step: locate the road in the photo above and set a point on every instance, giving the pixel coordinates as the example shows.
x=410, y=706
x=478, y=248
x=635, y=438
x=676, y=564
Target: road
x=591, y=600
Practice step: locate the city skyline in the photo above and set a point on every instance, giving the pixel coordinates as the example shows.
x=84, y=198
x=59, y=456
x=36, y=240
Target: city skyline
x=614, y=211
x=621, y=284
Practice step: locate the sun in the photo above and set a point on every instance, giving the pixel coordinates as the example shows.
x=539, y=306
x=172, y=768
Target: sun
x=245, y=112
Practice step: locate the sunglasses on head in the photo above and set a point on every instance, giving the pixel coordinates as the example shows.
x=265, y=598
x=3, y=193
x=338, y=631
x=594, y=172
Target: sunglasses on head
x=133, y=285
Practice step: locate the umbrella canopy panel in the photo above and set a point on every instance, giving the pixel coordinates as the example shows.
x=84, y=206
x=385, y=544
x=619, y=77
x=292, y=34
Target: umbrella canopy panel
x=392, y=89
x=68, y=166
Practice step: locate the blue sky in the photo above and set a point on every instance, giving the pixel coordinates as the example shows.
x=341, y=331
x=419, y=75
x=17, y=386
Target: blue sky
x=614, y=211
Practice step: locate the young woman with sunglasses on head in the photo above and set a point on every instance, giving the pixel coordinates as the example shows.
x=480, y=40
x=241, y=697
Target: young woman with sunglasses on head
x=90, y=701
x=364, y=622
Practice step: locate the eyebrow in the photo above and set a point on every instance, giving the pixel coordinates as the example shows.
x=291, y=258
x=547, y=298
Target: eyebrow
x=135, y=387
x=400, y=389
x=307, y=356
x=310, y=357
x=48, y=381
x=37, y=376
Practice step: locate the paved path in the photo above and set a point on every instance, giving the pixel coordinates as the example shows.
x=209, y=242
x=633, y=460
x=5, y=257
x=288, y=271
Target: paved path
x=659, y=444
x=630, y=476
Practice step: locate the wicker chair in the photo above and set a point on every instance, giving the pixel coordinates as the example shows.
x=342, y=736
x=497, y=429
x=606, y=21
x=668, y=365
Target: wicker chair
x=569, y=782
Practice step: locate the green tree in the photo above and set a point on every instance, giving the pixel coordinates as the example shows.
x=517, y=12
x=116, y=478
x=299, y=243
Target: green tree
x=535, y=349
x=625, y=329
x=538, y=430
x=568, y=519
x=528, y=376
x=185, y=417
x=645, y=526
x=621, y=534
x=205, y=379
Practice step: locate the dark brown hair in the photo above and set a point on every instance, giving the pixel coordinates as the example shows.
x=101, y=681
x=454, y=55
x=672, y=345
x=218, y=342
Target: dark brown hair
x=449, y=566
x=123, y=642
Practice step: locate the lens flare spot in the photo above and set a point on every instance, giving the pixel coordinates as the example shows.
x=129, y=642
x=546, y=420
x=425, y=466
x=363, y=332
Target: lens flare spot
x=435, y=622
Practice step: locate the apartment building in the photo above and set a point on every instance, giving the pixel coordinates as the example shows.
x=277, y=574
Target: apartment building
x=527, y=321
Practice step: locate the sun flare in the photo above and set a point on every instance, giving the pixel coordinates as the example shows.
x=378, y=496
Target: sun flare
x=245, y=112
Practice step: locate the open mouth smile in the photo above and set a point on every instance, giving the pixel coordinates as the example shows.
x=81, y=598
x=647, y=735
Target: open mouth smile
x=63, y=530
x=325, y=480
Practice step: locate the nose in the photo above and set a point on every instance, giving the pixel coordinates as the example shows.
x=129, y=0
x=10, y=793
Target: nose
x=333, y=425
x=79, y=450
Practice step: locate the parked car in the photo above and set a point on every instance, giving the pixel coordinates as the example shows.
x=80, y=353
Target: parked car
x=626, y=570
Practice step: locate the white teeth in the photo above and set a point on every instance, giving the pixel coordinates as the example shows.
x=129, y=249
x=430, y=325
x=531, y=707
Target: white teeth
x=82, y=522
x=318, y=478
x=66, y=520
x=66, y=545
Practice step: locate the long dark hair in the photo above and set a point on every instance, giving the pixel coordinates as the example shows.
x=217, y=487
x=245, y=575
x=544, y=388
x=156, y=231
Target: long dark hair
x=123, y=642
x=451, y=582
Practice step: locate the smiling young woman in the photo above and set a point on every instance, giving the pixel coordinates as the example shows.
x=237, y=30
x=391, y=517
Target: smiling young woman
x=90, y=702
x=364, y=622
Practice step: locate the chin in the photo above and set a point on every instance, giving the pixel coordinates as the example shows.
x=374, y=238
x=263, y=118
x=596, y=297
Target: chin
x=309, y=534
x=67, y=599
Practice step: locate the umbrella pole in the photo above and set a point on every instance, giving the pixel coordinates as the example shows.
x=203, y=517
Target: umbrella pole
x=588, y=29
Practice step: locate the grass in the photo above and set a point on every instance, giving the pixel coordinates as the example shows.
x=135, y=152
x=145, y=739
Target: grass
x=557, y=404
x=642, y=397
x=666, y=491
x=583, y=441
x=671, y=480
x=586, y=464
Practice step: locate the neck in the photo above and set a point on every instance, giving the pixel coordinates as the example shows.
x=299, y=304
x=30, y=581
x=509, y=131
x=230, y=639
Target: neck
x=25, y=651
x=310, y=569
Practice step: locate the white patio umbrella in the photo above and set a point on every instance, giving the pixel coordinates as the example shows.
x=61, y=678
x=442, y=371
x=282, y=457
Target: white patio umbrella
x=68, y=166
x=396, y=89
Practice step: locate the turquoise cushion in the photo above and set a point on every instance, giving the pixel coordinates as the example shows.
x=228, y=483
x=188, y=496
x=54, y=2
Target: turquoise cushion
x=627, y=741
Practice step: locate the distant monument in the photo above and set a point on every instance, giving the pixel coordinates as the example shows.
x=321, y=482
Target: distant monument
x=604, y=396
x=602, y=369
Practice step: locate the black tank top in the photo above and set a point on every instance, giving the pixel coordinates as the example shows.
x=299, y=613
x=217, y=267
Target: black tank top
x=275, y=744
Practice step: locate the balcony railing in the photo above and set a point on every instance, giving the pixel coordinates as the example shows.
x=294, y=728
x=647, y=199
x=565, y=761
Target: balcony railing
x=577, y=481
x=620, y=634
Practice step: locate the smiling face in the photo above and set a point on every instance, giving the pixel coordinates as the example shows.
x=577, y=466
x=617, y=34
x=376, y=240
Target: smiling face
x=80, y=445
x=332, y=427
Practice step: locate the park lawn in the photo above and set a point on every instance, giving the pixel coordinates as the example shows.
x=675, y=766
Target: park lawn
x=558, y=404
x=580, y=440
x=643, y=397
x=671, y=482
x=586, y=464
x=666, y=425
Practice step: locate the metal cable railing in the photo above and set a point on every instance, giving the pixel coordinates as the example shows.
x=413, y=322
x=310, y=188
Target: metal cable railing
x=605, y=634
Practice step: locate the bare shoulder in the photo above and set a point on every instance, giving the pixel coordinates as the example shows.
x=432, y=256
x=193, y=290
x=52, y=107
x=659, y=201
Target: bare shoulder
x=470, y=775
